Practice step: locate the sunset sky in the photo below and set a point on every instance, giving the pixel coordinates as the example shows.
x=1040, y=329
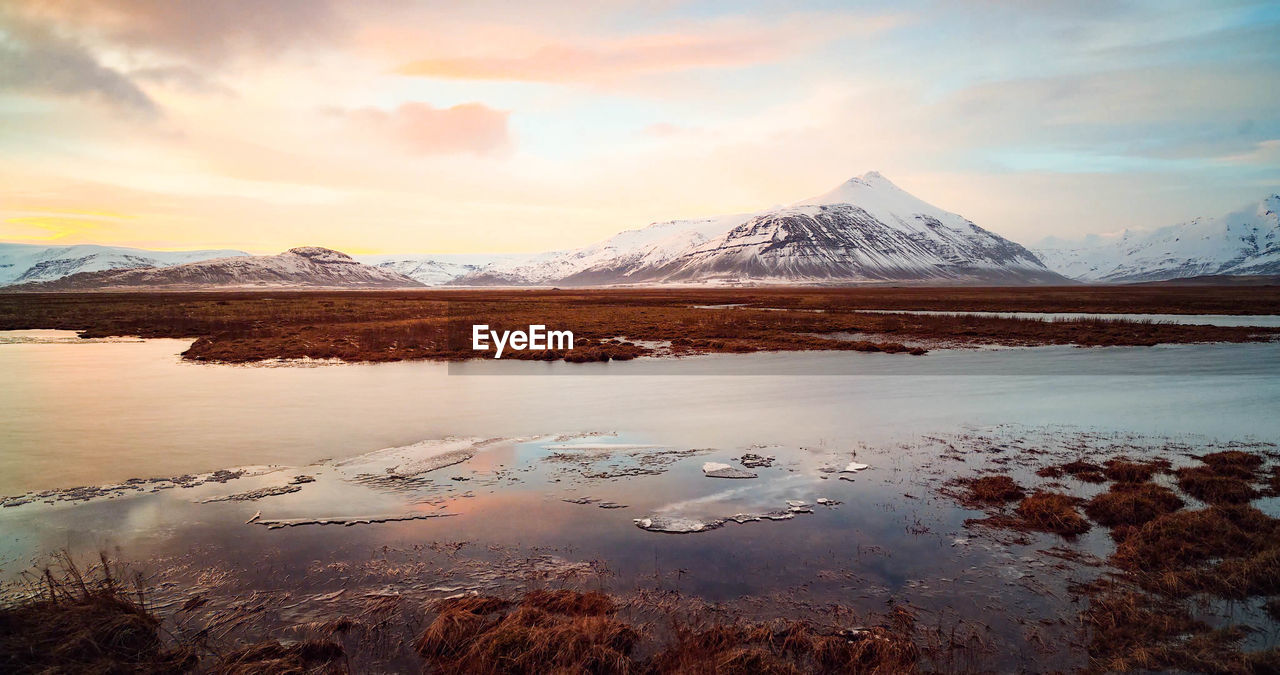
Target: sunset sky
x=484, y=126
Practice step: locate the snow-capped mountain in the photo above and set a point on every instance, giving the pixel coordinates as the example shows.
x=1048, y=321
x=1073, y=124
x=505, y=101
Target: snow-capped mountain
x=437, y=269
x=1243, y=242
x=308, y=266
x=21, y=263
x=867, y=229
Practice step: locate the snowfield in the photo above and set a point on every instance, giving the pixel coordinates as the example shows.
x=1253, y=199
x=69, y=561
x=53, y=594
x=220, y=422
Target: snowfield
x=1245, y=241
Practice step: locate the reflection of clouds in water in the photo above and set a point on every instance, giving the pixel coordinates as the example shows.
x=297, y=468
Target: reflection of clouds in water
x=144, y=515
x=769, y=492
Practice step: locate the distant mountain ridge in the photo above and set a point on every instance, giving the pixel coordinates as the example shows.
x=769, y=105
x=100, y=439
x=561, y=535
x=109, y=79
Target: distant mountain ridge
x=1245, y=242
x=307, y=266
x=22, y=263
x=865, y=230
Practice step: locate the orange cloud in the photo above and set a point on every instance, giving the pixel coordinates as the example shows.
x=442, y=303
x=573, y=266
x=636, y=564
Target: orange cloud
x=562, y=62
x=426, y=130
x=722, y=44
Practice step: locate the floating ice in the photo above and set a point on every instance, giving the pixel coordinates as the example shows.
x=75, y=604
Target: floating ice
x=720, y=470
x=348, y=521
x=677, y=525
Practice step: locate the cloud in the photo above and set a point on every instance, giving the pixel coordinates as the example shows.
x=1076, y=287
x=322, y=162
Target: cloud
x=203, y=31
x=1264, y=152
x=33, y=59
x=181, y=77
x=423, y=129
x=703, y=46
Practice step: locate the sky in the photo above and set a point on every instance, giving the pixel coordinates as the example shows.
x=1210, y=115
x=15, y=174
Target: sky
x=502, y=126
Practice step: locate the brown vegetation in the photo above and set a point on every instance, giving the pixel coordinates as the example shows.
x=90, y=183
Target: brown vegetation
x=84, y=623
x=90, y=622
x=559, y=631
x=1085, y=471
x=435, y=324
x=790, y=648
x=1231, y=551
x=991, y=490
x=1226, y=477
x=571, y=632
x=1132, y=504
x=1131, y=631
x=1052, y=512
x=272, y=658
x=1167, y=559
x=1127, y=471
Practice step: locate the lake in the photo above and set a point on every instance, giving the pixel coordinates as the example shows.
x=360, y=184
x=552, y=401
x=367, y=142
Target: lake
x=557, y=462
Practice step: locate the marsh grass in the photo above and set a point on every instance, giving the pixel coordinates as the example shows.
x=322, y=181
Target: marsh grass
x=1132, y=504
x=436, y=324
x=997, y=489
x=575, y=632
x=90, y=621
x=1052, y=512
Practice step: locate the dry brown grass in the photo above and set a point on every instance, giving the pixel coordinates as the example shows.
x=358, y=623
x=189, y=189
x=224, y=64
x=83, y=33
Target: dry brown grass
x=1052, y=512
x=991, y=490
x=570, y=632
x=85, y=622
x=1209, y=486
x=1226, y=477
x=1234, y=462
x=1132, y=504
x=435, y=324
x=790, y=648
x=1127, y=471
x=1085, y=471
x=1132, y=631
x=560, y=631
x=272, y=658
x=1230, y=551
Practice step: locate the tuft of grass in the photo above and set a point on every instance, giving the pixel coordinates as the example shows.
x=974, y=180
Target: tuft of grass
x=1233, y=462
x=1052, y=512
x=1131, y=631
x=85, y=621
x=1132, y=504
x=1085, y=471
x=1232, y=551
x=554, y=631
x=1125, y=471
x=273, y=658
x=992, y=490
x=790, y=648
x=570, y=632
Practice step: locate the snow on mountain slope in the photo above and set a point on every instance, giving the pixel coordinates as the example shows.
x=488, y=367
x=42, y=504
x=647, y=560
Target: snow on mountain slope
x=867, y=229
x=308, y=266
x=1243, y=242
x=656, y=244
x=437, y=269
x=21, y=263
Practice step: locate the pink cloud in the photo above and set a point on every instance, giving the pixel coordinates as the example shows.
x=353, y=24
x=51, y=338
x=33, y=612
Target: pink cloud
x=426, y=130
x=724, y=44
x=563, y=62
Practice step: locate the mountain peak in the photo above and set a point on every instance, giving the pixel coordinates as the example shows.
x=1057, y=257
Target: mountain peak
x=320, y=254
x=871, y=190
